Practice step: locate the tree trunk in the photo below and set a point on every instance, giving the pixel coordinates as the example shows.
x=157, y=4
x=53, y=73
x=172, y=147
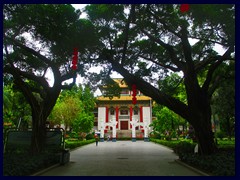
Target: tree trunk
x=200, y=119
x=39, y=118
x=205, y=137
x=38, y=132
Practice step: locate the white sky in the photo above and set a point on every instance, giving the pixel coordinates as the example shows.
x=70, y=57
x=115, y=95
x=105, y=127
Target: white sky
x=217, y=48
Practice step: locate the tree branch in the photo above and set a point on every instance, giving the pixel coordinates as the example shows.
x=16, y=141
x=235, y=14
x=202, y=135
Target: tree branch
x=214, y=66
x=43, y=58
x=69, y=86
x=208, y=40
x=55, y=69
x=40, y=80
x=126, y=34
x=160, y=64
x=149, y=90
x=164, y=24
x=168, y=47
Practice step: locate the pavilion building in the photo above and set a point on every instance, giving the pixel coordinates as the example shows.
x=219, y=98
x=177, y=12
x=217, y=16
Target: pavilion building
x=117, y=117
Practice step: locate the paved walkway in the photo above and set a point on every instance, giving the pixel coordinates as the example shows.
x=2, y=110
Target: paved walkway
x=122, y=158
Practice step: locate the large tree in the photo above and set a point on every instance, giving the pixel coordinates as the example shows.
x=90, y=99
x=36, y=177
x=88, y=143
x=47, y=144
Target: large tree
x=39, y=39
x=144, y=42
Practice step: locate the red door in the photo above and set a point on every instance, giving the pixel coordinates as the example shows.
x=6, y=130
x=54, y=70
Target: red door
x=124, y=125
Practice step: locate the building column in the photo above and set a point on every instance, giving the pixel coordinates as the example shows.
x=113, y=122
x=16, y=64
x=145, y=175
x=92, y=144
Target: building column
x=146, y=139
x=134, y=123
x=102, y=127
x=131, y=113
x=114, y=123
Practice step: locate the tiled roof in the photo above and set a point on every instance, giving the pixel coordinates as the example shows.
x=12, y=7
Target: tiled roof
x=123, y=98
x=120, y=82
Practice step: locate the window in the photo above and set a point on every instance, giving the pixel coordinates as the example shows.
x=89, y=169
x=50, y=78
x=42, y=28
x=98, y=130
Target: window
x=112, y=112
x=124, y=112
x=125, y=92
x=135, y=111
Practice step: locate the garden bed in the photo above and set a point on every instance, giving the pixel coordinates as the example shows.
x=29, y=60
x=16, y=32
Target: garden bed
x=222, y=163
x=21, y=164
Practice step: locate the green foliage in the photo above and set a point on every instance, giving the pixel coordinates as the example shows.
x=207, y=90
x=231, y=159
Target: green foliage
x=184, y=147
x=172, y=85
x=218, y=164
x=90, y=136
x=223, y=101
x=74, y=108
x=74, y=144
x=166, y=120
x=21, y=164
x=83, y=123
x=220, y=135
x=111, y=88
x=221, y=163
x=170, y=144
x=15, y=107
x=66, y=111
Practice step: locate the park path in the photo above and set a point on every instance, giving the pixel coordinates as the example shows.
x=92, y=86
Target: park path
x=122, y=158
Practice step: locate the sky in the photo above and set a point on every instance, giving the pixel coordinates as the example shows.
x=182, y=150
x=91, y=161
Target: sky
x=217, y=48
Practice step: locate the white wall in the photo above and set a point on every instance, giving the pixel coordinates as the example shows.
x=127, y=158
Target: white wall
x=101, y=116
x=146, y=114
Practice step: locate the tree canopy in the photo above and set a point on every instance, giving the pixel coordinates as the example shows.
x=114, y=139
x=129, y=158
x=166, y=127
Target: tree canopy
x=39, y=38
x=146, y=42
x=142, y=42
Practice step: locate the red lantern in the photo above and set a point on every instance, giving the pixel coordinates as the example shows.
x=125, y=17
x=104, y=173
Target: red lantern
x=184, y=8
x=134, y=100
x=75, y=58
x=134, y=93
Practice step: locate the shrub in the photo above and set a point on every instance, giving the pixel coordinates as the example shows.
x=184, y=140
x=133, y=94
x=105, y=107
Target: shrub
x=73, y=135
x=184, y=147
x=220, y=135
x=22, y=164
x=89, y=136
x=221, y=163
x=75, y=144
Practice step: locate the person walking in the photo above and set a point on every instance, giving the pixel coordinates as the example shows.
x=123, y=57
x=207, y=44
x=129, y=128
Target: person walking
x=96, y=139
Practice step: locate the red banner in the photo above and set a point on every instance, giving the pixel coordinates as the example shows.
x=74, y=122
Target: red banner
x=141, y=114
x=117, y=116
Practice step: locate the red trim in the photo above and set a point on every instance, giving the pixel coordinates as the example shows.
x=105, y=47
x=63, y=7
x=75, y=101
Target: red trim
x=117, y=116
x=106, y=114
x=141, y=114
x=131, y=116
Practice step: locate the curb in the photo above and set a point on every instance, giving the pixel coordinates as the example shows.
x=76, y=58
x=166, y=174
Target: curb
x=192, y=168
x=44, y=170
